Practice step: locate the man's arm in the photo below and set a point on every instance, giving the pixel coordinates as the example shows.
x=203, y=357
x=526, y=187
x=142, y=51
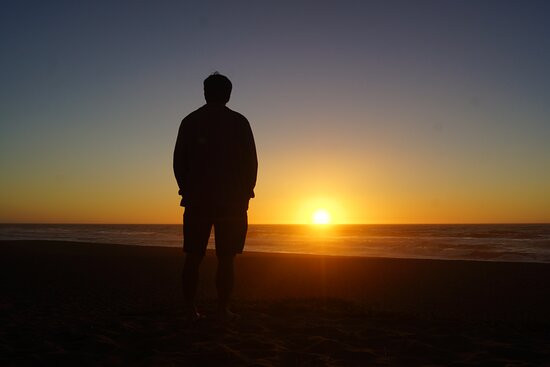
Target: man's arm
x=251, y=159
x=180, y=159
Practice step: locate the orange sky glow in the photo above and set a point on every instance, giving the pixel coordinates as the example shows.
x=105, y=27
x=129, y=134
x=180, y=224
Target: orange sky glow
x=374, y=113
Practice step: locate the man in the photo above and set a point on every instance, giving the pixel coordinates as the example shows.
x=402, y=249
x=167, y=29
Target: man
x=215, y=165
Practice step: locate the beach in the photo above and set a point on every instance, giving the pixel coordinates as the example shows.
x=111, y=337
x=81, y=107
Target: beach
x=101, y=304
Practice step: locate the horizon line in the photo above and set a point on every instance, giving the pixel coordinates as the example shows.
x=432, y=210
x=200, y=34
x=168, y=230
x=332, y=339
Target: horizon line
x=274, y=224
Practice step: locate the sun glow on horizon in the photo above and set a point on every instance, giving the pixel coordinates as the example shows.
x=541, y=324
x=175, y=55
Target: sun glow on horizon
x=321, y=216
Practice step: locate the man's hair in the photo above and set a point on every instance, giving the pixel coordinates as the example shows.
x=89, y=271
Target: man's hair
x=217, y=88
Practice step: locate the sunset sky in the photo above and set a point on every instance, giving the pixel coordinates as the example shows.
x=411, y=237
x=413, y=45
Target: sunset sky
x=375, y=111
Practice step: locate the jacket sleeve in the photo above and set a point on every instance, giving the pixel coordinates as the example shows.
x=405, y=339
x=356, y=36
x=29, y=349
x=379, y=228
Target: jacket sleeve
x=251, y=159
x=180, y=158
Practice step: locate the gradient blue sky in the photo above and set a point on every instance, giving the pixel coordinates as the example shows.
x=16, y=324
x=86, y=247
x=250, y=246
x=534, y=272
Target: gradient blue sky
x=379, y=111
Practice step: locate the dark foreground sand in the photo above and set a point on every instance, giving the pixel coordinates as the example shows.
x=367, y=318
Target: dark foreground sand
x=91, y=304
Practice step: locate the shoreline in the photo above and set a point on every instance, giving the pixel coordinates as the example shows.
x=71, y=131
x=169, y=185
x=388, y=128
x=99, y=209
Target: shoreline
x=54, y=241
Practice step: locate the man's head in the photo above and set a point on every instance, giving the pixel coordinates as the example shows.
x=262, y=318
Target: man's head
x=217, y=88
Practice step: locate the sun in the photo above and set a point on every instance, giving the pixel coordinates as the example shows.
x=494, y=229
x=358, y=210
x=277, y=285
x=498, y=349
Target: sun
x=321, y=216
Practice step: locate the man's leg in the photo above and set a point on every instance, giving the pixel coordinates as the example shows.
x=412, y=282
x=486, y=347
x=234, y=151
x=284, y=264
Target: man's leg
x=196, y=231
x=224, y=282
x=230, y=226
x=190, y=281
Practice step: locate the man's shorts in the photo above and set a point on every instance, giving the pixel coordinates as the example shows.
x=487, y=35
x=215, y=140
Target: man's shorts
x=230, y=226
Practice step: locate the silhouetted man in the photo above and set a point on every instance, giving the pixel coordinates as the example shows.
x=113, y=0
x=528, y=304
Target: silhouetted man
x=215, y=165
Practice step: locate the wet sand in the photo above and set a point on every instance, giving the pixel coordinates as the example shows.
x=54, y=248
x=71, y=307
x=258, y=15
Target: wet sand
x=96, y=304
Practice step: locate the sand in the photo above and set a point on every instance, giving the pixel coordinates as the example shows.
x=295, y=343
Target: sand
x=96, y=304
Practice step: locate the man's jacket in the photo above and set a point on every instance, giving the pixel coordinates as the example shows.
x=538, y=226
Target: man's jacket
x=215, y=160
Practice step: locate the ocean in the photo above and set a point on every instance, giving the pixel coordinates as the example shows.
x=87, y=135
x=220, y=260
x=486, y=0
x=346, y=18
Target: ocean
x=487, y=242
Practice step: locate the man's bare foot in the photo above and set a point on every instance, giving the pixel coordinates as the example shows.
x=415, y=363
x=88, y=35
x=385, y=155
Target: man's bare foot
x=191, y=316
x=225, y=315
